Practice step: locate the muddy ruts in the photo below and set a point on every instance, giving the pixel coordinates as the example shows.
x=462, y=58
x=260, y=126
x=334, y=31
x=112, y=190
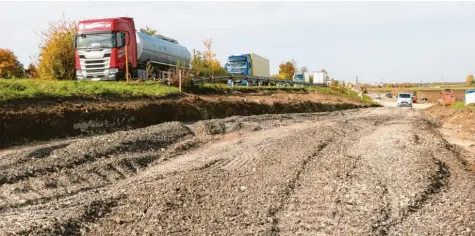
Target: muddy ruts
x=18, y=128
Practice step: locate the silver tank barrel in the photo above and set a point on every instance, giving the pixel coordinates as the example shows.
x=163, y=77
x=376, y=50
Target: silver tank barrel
x=161, y=49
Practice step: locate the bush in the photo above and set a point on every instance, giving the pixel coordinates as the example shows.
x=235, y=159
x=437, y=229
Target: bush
x=57, y=54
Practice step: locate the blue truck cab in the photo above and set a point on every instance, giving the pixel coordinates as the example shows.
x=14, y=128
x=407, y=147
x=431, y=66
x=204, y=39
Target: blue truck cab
x=239, y=65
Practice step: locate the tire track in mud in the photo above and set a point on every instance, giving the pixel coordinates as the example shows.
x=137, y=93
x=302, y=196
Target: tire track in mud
x=90, y=176
x=290, y=188
x=373, y=172
x=303, y=207
x=94, y=211
x=437, y=182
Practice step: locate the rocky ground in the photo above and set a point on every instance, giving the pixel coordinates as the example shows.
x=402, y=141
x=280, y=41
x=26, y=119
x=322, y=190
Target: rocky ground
x=374, y=171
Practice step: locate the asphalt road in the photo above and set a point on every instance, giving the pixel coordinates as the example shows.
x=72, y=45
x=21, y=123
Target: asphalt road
x=378, y=171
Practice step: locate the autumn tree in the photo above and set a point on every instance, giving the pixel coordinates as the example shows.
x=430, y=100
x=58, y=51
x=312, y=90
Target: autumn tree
x=9, y=65
x=197, y=61
x=323, y=70
x=205, y=63
x=210, y=59
x=469, y=80
x=150, y=31
x=32, y=71
x=277, y=76
x=303, y=69
x=57, y=53
x=287, y=69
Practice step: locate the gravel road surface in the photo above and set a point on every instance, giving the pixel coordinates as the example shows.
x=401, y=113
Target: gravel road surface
x=378, y=171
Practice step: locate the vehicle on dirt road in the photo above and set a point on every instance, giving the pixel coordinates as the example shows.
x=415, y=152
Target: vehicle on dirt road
x=102, y=46
x=389, y=95
x=447, y=97
x=404, y=99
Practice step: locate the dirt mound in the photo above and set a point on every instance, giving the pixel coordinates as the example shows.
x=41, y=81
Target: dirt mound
x=458, y=125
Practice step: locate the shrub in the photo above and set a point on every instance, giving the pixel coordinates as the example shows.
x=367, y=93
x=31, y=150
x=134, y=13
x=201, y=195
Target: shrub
x=57, y=53
x=10, y=67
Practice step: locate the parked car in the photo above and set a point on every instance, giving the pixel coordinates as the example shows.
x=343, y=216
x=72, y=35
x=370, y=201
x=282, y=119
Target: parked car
x=377, y=96
x=388, y=95
x=404, y=99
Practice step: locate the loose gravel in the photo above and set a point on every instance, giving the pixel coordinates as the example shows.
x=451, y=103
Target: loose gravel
x=378, y=171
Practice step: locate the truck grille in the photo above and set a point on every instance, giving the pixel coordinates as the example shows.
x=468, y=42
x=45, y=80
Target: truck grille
x=93, y=61
x=95, y=76
x=94, y=66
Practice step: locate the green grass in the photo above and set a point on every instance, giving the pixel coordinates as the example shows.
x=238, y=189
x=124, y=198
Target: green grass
x=27, y=88
x=460, y=105
x=352, y=95
x=18, y=89
x=224, y=88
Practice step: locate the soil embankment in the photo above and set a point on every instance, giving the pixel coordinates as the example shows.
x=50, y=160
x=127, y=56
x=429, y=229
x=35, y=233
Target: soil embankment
x=460, y=120
x=21, y=123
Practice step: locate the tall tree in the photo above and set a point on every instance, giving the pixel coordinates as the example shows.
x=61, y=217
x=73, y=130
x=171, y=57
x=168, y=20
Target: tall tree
x=9, y=65
x=205, y=63
x=469, y=80
x=304, y=69
x=287, y=69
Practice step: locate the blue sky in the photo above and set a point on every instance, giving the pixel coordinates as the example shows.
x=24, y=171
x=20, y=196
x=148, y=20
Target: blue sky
x=376, y=41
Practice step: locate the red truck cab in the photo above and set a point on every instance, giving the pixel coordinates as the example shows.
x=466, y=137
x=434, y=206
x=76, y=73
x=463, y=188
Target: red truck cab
x=100, y=48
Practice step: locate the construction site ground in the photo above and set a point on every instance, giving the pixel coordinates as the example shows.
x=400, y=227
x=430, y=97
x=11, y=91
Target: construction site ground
x=365, y=171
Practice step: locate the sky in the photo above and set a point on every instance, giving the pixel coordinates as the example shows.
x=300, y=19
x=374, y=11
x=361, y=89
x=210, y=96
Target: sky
x=374, y=41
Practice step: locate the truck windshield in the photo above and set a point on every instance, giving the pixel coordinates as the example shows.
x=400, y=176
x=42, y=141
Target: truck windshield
x=102, y=40
x=404, y=95
x=237, y=64
x=298, y=77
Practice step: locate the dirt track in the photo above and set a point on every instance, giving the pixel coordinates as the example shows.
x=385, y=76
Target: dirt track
x=375, y=171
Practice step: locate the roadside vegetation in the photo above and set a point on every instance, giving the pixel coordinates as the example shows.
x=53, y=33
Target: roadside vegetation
x=461, y=105
x=16, y=89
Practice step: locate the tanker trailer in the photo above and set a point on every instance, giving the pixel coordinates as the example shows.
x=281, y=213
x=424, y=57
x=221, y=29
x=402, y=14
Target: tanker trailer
x=101, y=50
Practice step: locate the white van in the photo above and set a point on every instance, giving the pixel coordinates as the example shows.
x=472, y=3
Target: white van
x=404, y=99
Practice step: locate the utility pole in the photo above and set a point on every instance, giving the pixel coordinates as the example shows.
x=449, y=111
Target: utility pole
x=356, y=80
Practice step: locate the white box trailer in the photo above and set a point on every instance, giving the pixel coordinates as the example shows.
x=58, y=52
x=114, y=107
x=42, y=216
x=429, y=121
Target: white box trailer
x=260, y=66
x=320, y=77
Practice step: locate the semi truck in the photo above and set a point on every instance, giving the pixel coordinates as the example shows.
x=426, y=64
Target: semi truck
x=320, y=77
x=249, y=64
x=101, y=51
x=301, y=77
